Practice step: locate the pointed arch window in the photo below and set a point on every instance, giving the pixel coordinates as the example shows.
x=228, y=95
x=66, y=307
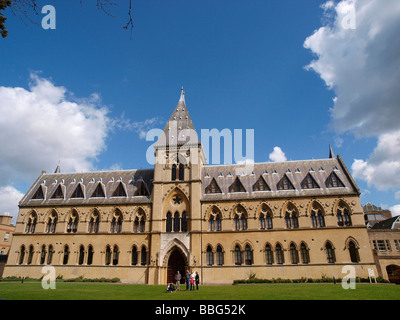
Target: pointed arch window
x=305, y=257
x=169, y=222
x=309, y=182
x=291, y=219
x=51, y=223
x=81, y=255
x=177, y=222
x=213, y=187
x=285, y=184
x=30, y=254
x=90, y=255
x=98, y=192
x=134, y=256
x=294, y=255
x=220, y=256
x=333, y=181
x=66, y=255
x=58, y=194
x=173, y=172
x=181, y=172
x=43, y=254
x=31, y=223
x=265, y=219
x=317, y=216
x=116, y=223
x=330, y=253
x=94, y=223
x=210, y=256
x=115, y=255
x=50, y=255
x=269, y=257
x=279, y=254
x=184, y=222
x=119, y=191
x=21, y=254
x=237, y=186
x=261, y=185
x=343, y=215
x=73, y=221
x=143, y=256
x=78, y=193
x=238, y=255
x=353, y=251
x=248, y=255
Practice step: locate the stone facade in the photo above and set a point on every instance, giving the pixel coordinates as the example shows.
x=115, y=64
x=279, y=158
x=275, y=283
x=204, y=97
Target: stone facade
x=274, y=220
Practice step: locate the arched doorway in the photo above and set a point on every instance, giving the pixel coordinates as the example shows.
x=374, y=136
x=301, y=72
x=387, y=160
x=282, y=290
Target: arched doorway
x=176, y=262
x=393, y=272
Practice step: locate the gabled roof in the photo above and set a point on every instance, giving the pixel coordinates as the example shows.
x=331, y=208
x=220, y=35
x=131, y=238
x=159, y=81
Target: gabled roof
x=391, y=223
x=272, y=173
x=109, y=180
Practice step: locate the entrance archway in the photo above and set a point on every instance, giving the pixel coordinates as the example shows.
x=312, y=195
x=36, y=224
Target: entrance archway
x=176, y=262
x=393, y=272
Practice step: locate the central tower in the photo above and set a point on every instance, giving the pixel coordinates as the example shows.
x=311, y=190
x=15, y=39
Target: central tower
x=176, y=213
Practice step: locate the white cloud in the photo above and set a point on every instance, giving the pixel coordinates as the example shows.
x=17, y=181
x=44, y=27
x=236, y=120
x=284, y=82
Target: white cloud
x=277, y=155
x=40, y=126
x=395, y=210
x=362, y=66
x=9, y=198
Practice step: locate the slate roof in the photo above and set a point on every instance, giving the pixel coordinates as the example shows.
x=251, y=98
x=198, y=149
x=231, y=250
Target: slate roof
x=110, y=181
x=387, y=224
x=272, y=173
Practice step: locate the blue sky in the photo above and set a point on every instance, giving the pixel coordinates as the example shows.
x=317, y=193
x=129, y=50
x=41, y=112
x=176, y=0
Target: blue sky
x=241, y=63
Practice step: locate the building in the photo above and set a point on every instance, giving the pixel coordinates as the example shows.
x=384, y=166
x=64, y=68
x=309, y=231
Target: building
x=374, y=214
x=6, y=234
x=274, y=220
x=385, y=242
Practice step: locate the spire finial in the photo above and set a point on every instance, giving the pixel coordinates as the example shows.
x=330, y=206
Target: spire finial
x=182, y=98
x=58, y=169
x=331, y=154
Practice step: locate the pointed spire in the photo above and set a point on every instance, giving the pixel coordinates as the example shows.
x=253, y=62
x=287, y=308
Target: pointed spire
x=331, y=154
x=182, y=98
x=58, y=169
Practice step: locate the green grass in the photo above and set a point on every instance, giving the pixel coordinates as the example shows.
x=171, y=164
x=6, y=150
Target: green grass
x=107, y=291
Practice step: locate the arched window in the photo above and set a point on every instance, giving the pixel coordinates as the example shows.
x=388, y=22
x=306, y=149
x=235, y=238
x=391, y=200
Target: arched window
x=134, y=256
x=210, y=257
x=248, y=255
x=72, y=225
x=343, y=215
x=184, y=227
x=220, y=256
x=136, y=225
x=30, y=254
x=90, y=255
x=31, y=223
x=236, y=222
x=50, y=255
x=294, y=255
x=115, y=255
x=66, y=254
x=243, y=222
x=238, y=255
x=142, y=225
x=51, y=223
x=305, y=257
x=268, y=220
x=317, y=216
x=261, y=221
x=291, y=220
x=211, y=225
x=240, y=219
x=81, y=255
x=173, y=173
x=181, y=172
x=108, y=256
x=21, y=255
x=169, y=222
x=330, y=253
x=43, y=255
x=116, y=223
x=94, y=223
x=279, y=254
x=143, y=256
x=177, y=222
x=269, y=257
x=353, y=251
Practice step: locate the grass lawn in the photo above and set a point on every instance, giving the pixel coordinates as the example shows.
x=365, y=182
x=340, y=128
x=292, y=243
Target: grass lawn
x=107, y=291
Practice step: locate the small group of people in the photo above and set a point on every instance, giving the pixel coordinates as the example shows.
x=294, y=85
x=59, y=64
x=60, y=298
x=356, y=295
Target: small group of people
x=191, y=279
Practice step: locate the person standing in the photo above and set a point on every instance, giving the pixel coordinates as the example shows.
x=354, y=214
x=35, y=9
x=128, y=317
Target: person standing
x=197, y=280
x=187, y=280
x=178, y=278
